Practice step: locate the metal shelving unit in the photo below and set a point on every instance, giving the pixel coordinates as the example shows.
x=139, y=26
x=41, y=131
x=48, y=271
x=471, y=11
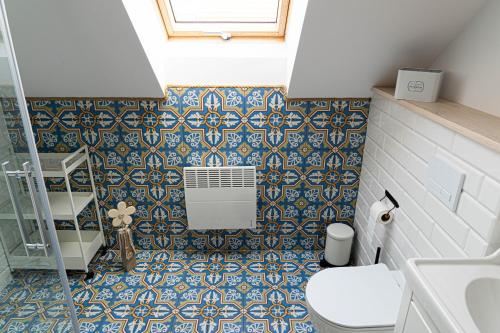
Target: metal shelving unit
x=78, y=247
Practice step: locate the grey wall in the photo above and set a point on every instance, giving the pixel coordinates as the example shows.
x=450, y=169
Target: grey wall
x=79, y=48
x=348, y=46
x=472, y=62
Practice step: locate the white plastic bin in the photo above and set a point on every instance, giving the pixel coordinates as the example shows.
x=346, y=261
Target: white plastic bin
x=338, y=244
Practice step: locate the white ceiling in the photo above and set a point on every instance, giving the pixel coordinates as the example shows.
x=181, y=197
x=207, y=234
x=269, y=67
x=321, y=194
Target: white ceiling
x=471, y=62
x=110, y=48
x=69, y=48
x=348, y=46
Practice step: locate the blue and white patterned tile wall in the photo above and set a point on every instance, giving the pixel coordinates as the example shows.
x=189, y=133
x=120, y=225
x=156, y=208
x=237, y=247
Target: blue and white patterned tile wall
x=308, y=155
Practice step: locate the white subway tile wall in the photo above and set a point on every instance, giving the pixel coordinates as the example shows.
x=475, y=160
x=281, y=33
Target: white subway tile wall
x=490, y=195
x=398, y=147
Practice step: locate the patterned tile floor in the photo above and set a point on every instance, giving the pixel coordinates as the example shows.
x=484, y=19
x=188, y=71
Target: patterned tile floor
x=174, y=291
x=33, y=302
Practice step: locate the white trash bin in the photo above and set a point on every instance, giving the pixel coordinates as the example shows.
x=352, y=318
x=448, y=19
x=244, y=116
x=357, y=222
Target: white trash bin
x=338, y=244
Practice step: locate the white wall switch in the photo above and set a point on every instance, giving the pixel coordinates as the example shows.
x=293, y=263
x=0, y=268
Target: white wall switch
x=445, y=181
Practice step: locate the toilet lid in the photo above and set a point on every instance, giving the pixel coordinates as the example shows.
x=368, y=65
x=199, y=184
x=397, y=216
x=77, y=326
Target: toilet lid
x=355, y=297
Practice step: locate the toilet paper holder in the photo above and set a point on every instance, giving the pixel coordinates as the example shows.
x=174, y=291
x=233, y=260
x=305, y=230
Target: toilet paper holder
x=394, y=202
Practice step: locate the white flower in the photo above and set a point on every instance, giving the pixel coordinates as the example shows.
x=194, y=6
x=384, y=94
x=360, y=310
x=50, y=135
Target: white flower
x=121, y=215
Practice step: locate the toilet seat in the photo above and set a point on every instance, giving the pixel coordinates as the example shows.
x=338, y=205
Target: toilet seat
x=362, y=297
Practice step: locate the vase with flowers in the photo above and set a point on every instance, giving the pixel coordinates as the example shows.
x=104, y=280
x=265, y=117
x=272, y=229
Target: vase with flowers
x=122, y=219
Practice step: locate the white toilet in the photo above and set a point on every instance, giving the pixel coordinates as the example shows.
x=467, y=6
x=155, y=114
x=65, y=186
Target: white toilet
x=354, y=299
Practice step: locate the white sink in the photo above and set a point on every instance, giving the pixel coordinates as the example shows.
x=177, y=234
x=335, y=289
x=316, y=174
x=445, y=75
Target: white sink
x=483, y=301
x=462, y=294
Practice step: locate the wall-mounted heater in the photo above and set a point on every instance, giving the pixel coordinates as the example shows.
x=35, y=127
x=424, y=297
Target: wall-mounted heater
x=220, y=197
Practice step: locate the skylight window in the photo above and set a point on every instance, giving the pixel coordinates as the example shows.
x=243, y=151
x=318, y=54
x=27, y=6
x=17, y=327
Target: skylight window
x=202, y=18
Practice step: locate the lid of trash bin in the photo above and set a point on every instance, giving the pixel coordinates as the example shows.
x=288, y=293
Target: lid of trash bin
x=340, y=231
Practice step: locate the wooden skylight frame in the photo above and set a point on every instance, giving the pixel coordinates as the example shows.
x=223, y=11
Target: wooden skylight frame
x=245, y=29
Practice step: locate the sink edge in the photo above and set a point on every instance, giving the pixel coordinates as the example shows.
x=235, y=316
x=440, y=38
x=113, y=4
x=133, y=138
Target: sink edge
x=426, y=295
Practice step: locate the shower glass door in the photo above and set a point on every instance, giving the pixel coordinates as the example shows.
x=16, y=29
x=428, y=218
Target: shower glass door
x=34, y=290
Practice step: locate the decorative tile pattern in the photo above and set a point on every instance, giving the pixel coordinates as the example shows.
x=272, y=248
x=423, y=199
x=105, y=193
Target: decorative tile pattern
x=11, y=119
x=178, y=291
x=307, y=153
x=34, y=302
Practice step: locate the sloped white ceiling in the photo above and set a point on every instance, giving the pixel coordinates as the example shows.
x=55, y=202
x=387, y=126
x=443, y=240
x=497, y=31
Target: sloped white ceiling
x=340, y=48
x=348, y=46
x=471, y=62
x=76, y=48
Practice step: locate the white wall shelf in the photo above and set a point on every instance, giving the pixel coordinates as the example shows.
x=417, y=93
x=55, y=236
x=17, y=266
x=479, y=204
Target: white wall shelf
x=474, y=124
x=72, y=247
x=52, y=163
x=60, y=204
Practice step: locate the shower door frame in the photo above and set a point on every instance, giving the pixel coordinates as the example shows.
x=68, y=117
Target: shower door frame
x=30, y=139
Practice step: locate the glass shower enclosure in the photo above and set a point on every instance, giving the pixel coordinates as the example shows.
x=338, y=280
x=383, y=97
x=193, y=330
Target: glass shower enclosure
x=34, y=291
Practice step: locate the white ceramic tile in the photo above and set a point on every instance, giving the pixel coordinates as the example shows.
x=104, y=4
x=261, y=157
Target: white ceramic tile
x=388, y=182
x=409, y=160
x=370, y=147
x=445, y=245
x=411, y=185
x=373, y=186
x=376, y=134
x=393, y=253
x=361, y=257
x=424, y=246
x=375, y=116
x=399, y=145
x=378, y=102
x=423, y=221
x=476, y=215
x=495, y=234
x=362, y=207
x=476, y=246
x=473, y=177
x=448, y=221
x=369, y=198
x=418, y=144
x=369, y=162
x=404, y=244
x=412, y=233
x=387, y=163
x=492, y=248
x=368, y=180
x=401, y=114
x=489, y=195
x=416, y=166
x=434, y=132
x=395, y=150
x=392, y=127
x=479, y=156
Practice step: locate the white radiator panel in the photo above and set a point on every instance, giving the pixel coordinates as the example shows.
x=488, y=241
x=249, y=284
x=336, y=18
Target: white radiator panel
x=220, y=197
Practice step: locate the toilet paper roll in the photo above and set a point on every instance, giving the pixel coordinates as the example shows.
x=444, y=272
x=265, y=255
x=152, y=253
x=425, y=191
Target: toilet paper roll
x=377, y=211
